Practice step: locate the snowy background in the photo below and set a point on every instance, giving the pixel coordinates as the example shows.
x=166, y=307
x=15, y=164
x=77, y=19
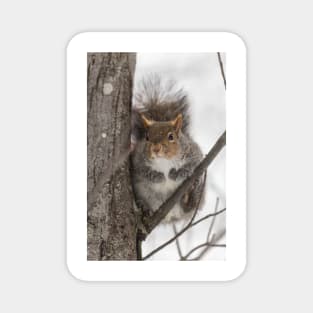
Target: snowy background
x=199, y=74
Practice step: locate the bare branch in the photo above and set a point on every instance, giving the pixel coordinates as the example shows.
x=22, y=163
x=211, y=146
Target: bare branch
x=207, y=216
x=221, y=67
x=209, y=245
x=188, y=226
x=177, y=242
x=159, y=215
x=210, y=239
x=206, y=245
x=213, y=220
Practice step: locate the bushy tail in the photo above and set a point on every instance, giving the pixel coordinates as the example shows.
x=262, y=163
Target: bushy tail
x=160, y=101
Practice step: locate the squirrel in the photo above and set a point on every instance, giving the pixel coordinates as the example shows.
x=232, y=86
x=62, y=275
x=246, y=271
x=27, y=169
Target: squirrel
x=165, y=153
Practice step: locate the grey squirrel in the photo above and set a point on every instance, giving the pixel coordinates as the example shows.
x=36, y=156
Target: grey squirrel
x=164, y=154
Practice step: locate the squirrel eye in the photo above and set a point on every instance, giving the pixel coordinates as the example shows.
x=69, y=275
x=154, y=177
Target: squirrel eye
x=170, y=137
x=147, y=136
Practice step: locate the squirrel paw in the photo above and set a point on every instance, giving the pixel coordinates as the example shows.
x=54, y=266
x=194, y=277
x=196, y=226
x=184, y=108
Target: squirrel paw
x=181, y=173
x=144, y=208
x=172, y=174
x=157, y=177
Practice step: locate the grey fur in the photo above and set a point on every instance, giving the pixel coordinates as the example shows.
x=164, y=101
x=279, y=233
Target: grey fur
x=152, y=187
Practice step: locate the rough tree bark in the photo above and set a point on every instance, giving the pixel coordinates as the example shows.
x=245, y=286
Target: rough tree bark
x=111, y=218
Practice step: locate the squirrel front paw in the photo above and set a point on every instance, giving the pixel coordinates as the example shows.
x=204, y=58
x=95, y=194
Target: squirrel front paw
x=157, y=177
x=173, y=174
x=176, y=174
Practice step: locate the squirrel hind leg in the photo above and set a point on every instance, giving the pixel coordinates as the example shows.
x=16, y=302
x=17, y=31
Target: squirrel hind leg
x=193, y=198
x=187, y=202
x=144, y=207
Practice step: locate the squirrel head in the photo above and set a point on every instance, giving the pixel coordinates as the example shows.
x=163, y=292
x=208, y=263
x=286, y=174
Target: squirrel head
x=162, y=138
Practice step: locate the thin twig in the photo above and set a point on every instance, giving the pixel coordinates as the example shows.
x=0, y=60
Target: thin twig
x=188, y=226
x=177, y=242
x=213, y=220
x=205, y=250
x=206, y=244
x=207, y=216
x=209, y=243
x=221, y=67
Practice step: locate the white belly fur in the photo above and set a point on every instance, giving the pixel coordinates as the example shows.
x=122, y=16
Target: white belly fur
x=164, y=166
x=167, y=187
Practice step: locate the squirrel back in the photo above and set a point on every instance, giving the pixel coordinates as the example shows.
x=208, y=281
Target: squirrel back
x=161, y=101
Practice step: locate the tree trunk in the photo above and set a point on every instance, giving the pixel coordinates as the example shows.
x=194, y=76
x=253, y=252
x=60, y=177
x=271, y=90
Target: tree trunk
x=111, y=217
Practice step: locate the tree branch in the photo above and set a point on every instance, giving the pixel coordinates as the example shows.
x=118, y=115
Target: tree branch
x=207, y=216
x=151, y=222
x=221, y=67
x=177, y=242
x=188, y=226
x=206, y=245
x=213, y=220
x=209, y=241
x=209, y=245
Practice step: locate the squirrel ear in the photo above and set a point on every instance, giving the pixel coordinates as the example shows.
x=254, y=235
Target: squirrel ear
x=146, y=121
x=178, y=122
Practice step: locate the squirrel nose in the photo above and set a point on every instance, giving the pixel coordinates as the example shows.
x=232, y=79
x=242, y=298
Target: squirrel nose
x=156, y=148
